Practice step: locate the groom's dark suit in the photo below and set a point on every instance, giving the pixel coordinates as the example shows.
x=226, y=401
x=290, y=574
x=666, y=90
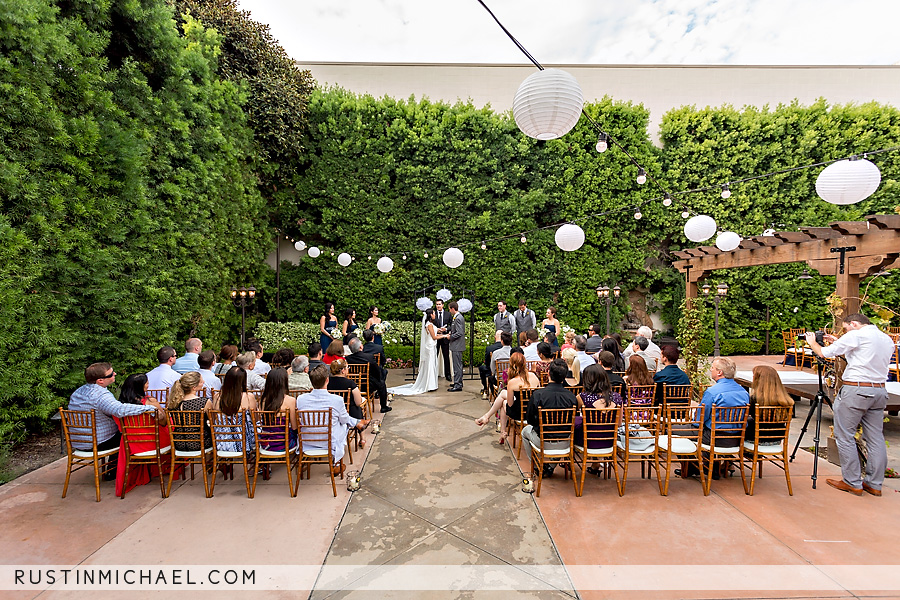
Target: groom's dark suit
x=443, y=319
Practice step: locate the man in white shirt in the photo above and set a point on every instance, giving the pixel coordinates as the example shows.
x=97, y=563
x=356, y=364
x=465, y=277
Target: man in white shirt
x=584, y=359
x=247, y=361
x=163, y=376
x=259, y=367
x=862, y=399
x=205, y=361
x=188, y=362
x=531, y=342
x=652, y=349
x=639, y=347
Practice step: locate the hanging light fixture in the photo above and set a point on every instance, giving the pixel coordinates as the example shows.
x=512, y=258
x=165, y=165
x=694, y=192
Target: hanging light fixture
x=667, y=199
x=523, y=239
x=300, y=246
x=804, y=275
x=685, y=214
x=548, y=104
x=700, y=228
x=453, y=257
x=344, y=259
x=638, y=214
x=569, y=237
x=728, y=241
x=426, y=255
x=602, y=143
x=642, y=177
x=726, y=191
x=483, y=246
x=385, y=264
x=314, y=252
x=848, y=181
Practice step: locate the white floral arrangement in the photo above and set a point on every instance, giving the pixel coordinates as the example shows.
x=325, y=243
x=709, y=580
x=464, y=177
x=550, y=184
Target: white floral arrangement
x=381, y=328
x=424, y=303
x=465, y=305
x=335, y=333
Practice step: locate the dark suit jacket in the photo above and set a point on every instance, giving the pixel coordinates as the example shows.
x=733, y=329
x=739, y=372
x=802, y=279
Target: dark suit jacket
x=445, y=322
x=376, y=377
x=375, y=350
x=490, y=350
x=553, y=395
x=615, y=378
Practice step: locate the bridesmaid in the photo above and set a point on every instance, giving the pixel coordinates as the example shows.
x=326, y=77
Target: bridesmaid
x=551, y=323
x=349, y=325
x=327, y=322
x=374, y=320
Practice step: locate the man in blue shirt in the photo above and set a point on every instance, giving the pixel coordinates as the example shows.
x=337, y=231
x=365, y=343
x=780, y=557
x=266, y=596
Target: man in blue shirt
x=725, y=393
x=188, y=362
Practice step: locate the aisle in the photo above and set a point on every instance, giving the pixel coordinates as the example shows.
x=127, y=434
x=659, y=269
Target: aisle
x=441, y=509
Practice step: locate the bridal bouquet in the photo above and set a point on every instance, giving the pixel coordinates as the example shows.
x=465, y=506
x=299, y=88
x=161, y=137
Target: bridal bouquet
x=381, y=328
x=335, y=333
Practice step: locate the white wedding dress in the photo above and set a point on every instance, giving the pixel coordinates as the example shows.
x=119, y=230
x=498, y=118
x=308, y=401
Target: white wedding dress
x=427, y=380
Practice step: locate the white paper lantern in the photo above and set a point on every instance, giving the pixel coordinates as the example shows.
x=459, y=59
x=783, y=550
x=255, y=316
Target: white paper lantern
x=300, y=246
x=728, y=241
x=444, y=294
x=769, y=233
x=385, y=264
x=314, y=252
x=453, y=257
x=344, y=259
x=424, y=303
x=465, y=305
x=848, y=181
x=569, y=237
x=548, y=104
x=700, y=228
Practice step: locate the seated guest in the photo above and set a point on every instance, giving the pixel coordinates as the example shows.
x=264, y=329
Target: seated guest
x=94, y=395
x=523, y=338
x=652, y=350
x=554, y=395
x=550, y=338
x=335, y=350
x=594, y=341
x=315, y=355
x=276, y=398
x=639, y=348
x=569, y=337
x=573, y=375
x=205, y=362
x=259, y=367
x=246, y=361
x=609, y=344
x=507, y=403
x=607, y=361
x=134, y=391
x=341, y=421
x=501, y=353
x=766, y=390
x=725, y=393
x=227, y=356
x=184, y=397
x=299, y=375
x=545, y=356
x=597, y=393
x=583, y=358
x=188, y=362
x=376, y=350
x=283, y=358
x=376, y=381
x=484, y=369
x=530, y=348
x=339, y=382
x=670, y=373
x=637, y=374
x=234, y=401
x=163, y=376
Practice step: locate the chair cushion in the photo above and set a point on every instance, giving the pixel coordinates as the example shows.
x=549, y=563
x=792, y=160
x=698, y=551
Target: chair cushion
x=722, y=449
x=228, y=454
x=595, y=451
x=680, y=445
x=90, y=453
x=190, y=453
x=560, y=452
x=271, y=453
x=765, y=448
x=316, y=453
x=164, y=450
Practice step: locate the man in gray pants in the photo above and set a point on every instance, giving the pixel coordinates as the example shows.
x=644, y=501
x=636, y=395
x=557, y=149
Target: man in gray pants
x=862, y=399
x=457, y=346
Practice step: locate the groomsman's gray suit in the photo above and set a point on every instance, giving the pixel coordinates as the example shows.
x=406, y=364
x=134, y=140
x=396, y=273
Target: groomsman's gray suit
x=457, y=346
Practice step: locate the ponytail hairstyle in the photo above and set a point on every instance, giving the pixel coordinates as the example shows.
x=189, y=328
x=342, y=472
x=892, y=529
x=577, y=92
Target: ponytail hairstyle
x=133, y=389
x=182, y=388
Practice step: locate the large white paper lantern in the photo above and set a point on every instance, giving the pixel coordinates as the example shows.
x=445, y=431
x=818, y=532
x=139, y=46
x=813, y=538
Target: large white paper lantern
x=465, y=305
x=848, y=181
x=385, y=264
x=444, y=294
x=569, y=237
x=344, y=259
x=300, y=246
x=453, y=257
x=424, y=303
x=314, y=252
x=728, y=241
x=700, y=228
x=548, y=104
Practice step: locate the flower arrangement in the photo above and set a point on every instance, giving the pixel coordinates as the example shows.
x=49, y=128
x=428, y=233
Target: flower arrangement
x=396, y=363
x=335, y=333
x=381, y=328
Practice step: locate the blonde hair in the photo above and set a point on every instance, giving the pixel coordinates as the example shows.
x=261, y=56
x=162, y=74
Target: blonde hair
x=726, y=365
x=767, y=388
x=337, y=365
x=568, y=355
x=569, y=337
x=182, y=388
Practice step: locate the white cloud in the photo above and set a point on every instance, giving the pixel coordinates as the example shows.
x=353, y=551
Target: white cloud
x=586, y=31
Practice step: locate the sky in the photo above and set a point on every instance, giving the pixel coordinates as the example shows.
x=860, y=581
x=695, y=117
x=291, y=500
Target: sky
x=687, y=32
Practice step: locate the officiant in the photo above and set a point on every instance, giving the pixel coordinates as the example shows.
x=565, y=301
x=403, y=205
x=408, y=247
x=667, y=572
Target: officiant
x=442, y=319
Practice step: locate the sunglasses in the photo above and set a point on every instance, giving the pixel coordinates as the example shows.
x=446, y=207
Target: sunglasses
x=113, y=374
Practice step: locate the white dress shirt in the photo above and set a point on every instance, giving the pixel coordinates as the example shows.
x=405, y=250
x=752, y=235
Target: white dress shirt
x=162, y=377
x=531, y=352
x=868, y=352
x=210, y=380
x=261, y=368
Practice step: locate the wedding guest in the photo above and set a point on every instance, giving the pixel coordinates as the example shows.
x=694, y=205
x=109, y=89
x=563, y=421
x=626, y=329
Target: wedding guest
x=652, y=350
x=530, y=347
x=484, y=369
x=584, y=359
x=502, y=353
x=607, y=361
x=597, y=393
x=315, y=355
x=376, y=378
x=163, y=376
x=507, y=404
x=639, y=348
x=234, y=401
x=134, y=391
x=327, y=322
x=188, y=362
x=226, y=359
x=340, y=381
x=376, y=350
x=610, y=345
x=766, y=390
x=184, y=397
x=573, y=375
x=637, y=374
x=523, y=339
x=205, y=361
x=283, y=358
x=335, y=350
x=374, y=320
x=247, y=361
x=276, y=398
x=551, y=323
x=554, y=395
x=550, y=338
x=670, y=374
x=298, y=379
x=545, y=356
x=569, y=338
x=259, y=367
x=594, y=341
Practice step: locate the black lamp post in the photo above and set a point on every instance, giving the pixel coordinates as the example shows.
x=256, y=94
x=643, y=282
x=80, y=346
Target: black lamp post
x=721, y=292
x=240, y=297
x=609, y=300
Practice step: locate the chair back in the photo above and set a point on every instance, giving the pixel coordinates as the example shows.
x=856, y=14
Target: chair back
x=575, y=389
x=641, y=394
x=772, y=423
x=186, y=428
x=544, y=377
x=272, y=430
x=557, y=424
x=728, y=424
x=297, y=393
x=531, y=365
x=362, y=371
x=676, y=395
x=79, y=427
x=683, y=421
x=258, y=394
x=619, y=387
x=524, y=395
x=347, y=395
x=599, y=427
x=139, y=429
x=161, y=396
x=797, y=332
x=646, y=416
x=228, y=430
x=502, y=366
x=314, y=426
x=356, y=378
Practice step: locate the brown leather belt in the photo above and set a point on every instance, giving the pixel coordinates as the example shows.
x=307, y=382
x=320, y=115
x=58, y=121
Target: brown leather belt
x=863, y=384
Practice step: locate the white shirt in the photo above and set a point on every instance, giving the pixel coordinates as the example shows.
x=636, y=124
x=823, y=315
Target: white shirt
x=868, y=352
x=652, y=350
x=531, y=352
x=255, y=381
x=261, y=368
x=210, y=380
x=162, y=377
x=585, y=360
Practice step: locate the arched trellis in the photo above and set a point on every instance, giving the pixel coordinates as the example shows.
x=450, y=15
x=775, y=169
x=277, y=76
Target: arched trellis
x=847, y=250
x=463, y=293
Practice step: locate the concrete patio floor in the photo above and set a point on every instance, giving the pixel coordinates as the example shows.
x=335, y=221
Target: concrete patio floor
x=441, y=503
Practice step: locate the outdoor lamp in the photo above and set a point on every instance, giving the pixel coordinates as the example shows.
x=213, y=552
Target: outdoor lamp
x=722, y=290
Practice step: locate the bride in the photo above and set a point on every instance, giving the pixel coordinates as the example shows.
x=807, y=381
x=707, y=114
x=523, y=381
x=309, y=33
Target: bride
x=427, y=380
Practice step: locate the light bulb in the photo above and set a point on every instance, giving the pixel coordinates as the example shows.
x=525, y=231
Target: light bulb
x=726, y=192
x=685, y=215
x=602, y=145
x=642, y=177
x=426, y=255
x=404, y=257
x=370, y=258
x=638, y=215
x=483, y=246
x=667, y=200
x=332, y=253
x=523, y=239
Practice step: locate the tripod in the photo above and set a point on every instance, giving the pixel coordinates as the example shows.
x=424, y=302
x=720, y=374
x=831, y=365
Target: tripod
x=815, y=406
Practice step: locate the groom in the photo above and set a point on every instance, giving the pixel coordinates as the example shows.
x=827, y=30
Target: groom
x=457, y=346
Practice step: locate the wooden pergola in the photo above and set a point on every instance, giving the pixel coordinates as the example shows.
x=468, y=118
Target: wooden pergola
x=847, y=250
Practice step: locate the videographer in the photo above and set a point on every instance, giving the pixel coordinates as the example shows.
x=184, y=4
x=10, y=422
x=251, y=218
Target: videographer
x=862, y=399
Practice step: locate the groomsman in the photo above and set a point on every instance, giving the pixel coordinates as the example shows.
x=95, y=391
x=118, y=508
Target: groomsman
x=442, y=319
x=503, y=321
x=525, y=318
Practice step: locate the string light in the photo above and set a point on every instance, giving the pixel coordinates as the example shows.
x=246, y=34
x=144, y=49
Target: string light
x=523, y=239
x=426, y=255
x=404, y=257
x=667, y=199
x=726, y=191
x=642, y=177
x=483, y=246
x=602, y=144
x=637, y=214
x=685, y=214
